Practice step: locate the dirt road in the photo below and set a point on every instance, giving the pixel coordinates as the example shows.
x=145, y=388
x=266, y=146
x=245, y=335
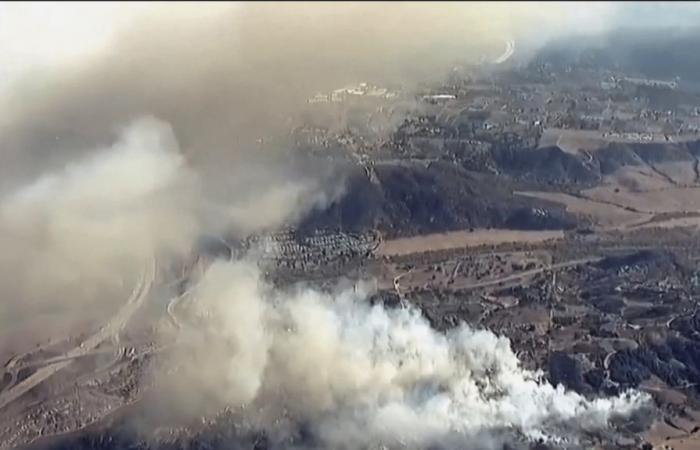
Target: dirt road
x=529, y=273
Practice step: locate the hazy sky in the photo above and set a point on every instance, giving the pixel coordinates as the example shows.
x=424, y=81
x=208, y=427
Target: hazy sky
x=42, y=35
x=70, y=71
x=37, y=34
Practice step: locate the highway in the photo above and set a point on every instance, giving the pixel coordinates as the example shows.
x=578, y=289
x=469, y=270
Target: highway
x=115, y=325
x=172, y=304
x=62, y=358
x=510, y=49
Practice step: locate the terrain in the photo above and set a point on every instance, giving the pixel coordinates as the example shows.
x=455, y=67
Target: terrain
x=552, y=202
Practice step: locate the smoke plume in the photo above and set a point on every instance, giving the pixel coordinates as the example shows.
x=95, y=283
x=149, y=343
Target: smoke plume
x=365, y=375
x=225, y=76
x=79, y=235
x=90, y=189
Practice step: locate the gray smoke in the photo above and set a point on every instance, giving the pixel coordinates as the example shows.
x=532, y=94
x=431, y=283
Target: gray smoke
x=225, y=76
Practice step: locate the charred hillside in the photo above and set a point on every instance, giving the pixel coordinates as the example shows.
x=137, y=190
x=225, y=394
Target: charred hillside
x=411, y=198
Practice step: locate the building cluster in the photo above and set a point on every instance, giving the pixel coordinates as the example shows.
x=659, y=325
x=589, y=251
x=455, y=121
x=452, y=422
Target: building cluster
x=509, y=110
x=349, y=93
x=288, y=249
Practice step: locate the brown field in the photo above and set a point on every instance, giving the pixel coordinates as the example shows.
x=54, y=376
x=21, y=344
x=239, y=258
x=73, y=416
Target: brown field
x=673, y=199
x=637, y=178
x=630, y=199
x=664, y=436
x=681, y=172
x=459, y=239
x=602, y=214
x=488, y=269
x=571, y=141
x=672, y=223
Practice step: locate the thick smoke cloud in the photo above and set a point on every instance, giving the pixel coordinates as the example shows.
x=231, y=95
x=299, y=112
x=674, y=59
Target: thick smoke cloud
x=226, y=75
x=79, y=235
x=90, y=190
x=365, y=375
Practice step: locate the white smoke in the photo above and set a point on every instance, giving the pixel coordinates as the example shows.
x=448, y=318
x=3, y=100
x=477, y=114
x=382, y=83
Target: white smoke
x=365, y=374
x=260, y=200
x=78, y=235
x=71, y=233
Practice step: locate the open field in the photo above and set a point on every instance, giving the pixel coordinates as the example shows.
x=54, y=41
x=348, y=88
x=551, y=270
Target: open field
x=604, y=215
x=672, y=223
x=663, y=435
x=464, y=238
x=637, y=178
x=572, y=141
x=673, y=199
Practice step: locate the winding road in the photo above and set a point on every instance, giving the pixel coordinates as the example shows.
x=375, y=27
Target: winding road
x=511, y=277
x=115, y=325
x=510, y=49
x=528, y=273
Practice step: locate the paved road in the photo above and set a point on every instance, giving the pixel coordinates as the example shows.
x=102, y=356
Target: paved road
x=510, y=49
x=172, y=304
x=62, y=358
x=117, y=322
